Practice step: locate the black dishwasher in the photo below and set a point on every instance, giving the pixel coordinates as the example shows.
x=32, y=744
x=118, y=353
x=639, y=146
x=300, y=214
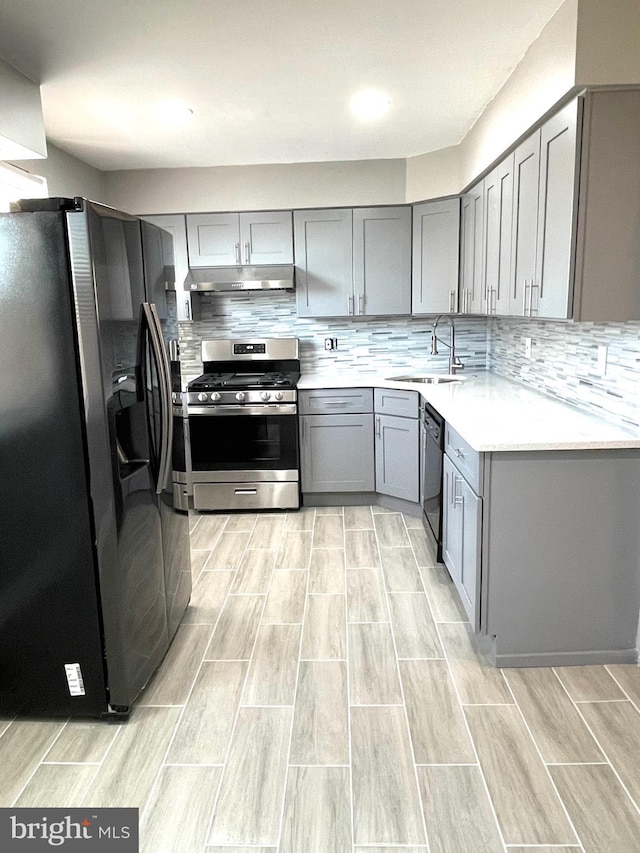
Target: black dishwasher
x=432, y=445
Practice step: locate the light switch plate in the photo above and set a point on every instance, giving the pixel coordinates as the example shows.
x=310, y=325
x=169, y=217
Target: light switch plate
x=602, y=359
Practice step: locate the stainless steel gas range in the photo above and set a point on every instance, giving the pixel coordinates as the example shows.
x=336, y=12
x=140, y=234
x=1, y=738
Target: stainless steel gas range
x=243, y=425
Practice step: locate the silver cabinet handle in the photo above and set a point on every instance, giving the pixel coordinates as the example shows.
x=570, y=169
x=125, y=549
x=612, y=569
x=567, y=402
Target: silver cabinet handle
x=361, y=303
x=533, y=287
x=457, y=499
x=493, y=308
x=451, y=302
x=378, y=427
x=458, y=452
x=187, y=308
x=349, y=305
x=336, y=403
x=524, y=298
x=237, y=250
x=247, y=252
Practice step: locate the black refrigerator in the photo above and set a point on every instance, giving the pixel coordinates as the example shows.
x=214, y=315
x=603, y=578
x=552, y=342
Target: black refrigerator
x=94, y=556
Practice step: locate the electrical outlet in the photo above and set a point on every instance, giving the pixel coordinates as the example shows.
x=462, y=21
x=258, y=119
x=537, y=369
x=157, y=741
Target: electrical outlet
x=602, y=360
x=330, y=344
x=527, y=347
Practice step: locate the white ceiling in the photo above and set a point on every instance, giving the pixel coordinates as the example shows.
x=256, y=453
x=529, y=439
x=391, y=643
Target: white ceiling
x=268, y=80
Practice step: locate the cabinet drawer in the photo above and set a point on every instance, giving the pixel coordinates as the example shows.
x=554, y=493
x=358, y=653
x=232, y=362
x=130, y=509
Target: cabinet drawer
x=466, y=459
x=392, y=402
x=335, y=401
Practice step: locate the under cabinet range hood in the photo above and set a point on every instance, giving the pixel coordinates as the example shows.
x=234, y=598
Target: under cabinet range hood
x=234, y=279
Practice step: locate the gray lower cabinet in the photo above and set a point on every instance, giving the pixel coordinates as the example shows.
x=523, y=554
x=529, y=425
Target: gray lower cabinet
x=543, y=549
x=336, y=440
x=461, y=538
x=397, y=452
x=397, y=455
x=337, y=453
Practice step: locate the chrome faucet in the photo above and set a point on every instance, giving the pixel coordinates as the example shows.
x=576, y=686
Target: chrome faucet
x=454, y=362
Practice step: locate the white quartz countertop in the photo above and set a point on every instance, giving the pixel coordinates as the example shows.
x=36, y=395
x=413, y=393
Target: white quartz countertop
x=496, y=414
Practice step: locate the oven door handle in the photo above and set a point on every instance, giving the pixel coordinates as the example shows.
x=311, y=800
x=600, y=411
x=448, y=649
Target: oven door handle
x=228, y=411
x=164, y=376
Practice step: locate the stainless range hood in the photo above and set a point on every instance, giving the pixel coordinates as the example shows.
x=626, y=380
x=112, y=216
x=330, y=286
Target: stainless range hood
x=234, y=279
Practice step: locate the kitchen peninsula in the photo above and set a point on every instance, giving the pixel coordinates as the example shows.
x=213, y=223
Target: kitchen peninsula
x=550, y=568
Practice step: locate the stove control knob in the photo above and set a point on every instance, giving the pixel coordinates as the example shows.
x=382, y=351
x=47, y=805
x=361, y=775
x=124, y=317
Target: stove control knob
x=240, y=396
x=202, y=397
x=278, y=395
x=265, y=395
x=215, y=397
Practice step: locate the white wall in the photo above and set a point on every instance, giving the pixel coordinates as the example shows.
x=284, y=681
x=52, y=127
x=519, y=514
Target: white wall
x=434, y=174
x=21, y=122
x=283, y=185
x=543, y=76
x=66, y=175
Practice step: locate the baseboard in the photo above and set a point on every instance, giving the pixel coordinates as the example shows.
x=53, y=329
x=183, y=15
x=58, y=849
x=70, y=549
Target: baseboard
x=361, y=499
x=567, y=658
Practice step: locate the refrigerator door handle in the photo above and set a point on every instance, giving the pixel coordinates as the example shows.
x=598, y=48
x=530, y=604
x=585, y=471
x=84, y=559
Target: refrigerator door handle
x=155, y=335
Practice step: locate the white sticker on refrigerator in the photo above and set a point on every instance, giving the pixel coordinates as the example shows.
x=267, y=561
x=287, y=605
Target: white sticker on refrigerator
x=74, y=679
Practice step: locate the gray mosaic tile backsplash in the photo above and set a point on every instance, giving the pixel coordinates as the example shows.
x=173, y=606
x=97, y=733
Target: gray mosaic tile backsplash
x=369, y=346
x=564, y=362
x=563, y=359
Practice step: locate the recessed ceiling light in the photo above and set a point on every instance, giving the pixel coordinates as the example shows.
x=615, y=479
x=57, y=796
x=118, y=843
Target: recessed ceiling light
x=369, y=105
x=172, y=111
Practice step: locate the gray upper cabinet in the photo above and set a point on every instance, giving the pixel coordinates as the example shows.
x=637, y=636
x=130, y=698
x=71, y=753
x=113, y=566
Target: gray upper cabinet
x=498, y=208
x=175, y=224
x=608, y=209
x=526, y=174
x=436, y=241
x=472, y=290
x=236, y=239
x=543, y=218
x=353, y=262
x=324, y=262
x=552, y=288
x=382, y=260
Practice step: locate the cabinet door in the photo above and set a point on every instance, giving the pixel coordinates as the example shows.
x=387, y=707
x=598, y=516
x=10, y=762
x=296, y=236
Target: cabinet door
x=469, y=581
x=498, y=209
x=337, y=453
x=451, y=522
x=176, y=226
x=472, y=298
x=397, y=457
x=323, y=242
x=461, y=538
x=526, y=173
x=436, y=245
x=213, y=239
x=382, y=260
x=552, y=289
x=266, y=238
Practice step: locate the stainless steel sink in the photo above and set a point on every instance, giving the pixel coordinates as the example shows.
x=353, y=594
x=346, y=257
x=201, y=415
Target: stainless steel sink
x=429, y=378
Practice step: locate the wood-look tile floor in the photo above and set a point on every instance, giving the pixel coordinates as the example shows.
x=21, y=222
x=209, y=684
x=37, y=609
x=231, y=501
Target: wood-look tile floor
x=323, y=694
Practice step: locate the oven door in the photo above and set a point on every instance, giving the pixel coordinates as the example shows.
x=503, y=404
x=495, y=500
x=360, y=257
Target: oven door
x=244, y=457
x=244, y=443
